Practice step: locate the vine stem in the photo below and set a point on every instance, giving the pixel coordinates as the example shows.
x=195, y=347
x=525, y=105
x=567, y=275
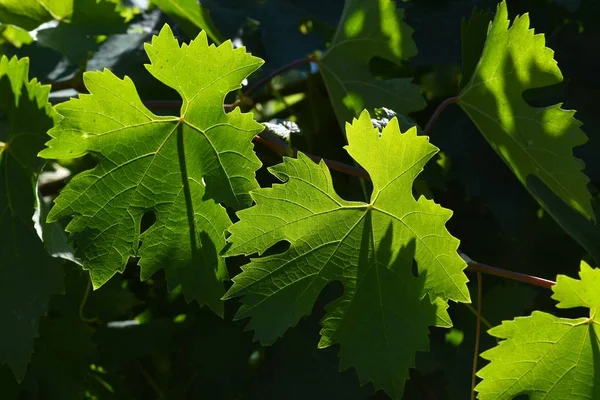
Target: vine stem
x=477, y=334
x=278, y=71
x=171, y=104
x=436, y=114
x=281, y=148
x=473, y=266
x=82, y=304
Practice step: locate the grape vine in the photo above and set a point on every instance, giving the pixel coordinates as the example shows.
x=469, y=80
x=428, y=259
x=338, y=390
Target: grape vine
x=188, y=191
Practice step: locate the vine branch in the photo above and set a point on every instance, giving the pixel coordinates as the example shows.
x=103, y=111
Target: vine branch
x=436, y=114
x=477, y=334
x=281, y=148
x=278, y=71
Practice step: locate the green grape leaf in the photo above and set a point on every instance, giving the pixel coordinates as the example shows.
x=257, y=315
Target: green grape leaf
x=383, y=316
x=531, y=141
x=369, y=29
x=191, y=16
x=544, y=356
x=93, y=14
x=176, y=168
x=28, y=274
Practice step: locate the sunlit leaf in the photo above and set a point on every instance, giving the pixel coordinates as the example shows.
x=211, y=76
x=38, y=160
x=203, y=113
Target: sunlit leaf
x=382, y=319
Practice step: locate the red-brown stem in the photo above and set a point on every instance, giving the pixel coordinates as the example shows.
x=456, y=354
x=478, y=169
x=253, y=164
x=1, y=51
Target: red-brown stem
x=278, y=71
x=436, y=114
x=477, y=334
x=473, y=266
x=281, y=148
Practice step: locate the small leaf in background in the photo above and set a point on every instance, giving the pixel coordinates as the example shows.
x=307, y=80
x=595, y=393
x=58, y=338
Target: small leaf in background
x=545, y=356
x=191, y=16
x=28, y=274
x=532, y=141
x=382, y=319
x=173, y=169
x=369, y=29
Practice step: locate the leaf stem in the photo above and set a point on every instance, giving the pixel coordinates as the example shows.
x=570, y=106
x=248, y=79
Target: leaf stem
x=281, y=148
x=436, y=114
x=477, y=334
x=82, y=304
x=278, y=71
x=473, y=266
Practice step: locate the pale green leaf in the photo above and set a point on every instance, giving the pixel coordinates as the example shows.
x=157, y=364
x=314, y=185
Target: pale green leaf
x=383, y=316
x=178, y=168
x=369, y=29
x=532, y=141
x=546, y=357
x=28, y=274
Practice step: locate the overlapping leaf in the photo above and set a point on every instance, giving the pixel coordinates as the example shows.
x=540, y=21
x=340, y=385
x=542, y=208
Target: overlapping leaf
x=29, y=14
x=544, y=356
x=28, y=274
x=532, y=141
x=177, y=168
x=369, y=29
x=382, y=318
x=191, y=16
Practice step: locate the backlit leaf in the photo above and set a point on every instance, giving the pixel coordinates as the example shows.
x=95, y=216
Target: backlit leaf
x=382, y=318
x=174, y=168
x=546, y=357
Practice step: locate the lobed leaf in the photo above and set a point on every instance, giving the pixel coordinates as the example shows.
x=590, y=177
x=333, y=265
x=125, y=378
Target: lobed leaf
x=382, y=318
x=28, y=274
x=176, y=168
x=369, y=29
x=544, y=356
x=532, y=141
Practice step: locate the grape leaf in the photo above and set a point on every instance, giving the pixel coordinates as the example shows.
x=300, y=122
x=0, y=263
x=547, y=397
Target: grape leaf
x=382, y=318
x=281, y=31
x=544, y=356
x=191, y=16
x=531, y=141
x=369, y=29
x=177, y=168
x=28, y=274
x=94, y=14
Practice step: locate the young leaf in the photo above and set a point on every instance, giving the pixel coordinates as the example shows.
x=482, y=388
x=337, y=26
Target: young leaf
x=532, y=141
x=176, y=168
x=382, y=318
x=544, y=356
x=369, y=29
x=28, y=274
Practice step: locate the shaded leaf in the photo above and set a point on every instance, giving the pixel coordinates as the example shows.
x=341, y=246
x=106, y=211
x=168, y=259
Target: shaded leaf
x=369, y=29
x=191, y=16
x=28, y=274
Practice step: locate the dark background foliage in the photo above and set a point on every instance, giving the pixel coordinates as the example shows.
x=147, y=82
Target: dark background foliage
x=173, y=350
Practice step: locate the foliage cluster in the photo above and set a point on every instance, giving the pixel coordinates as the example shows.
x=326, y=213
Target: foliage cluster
x=188, y=191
